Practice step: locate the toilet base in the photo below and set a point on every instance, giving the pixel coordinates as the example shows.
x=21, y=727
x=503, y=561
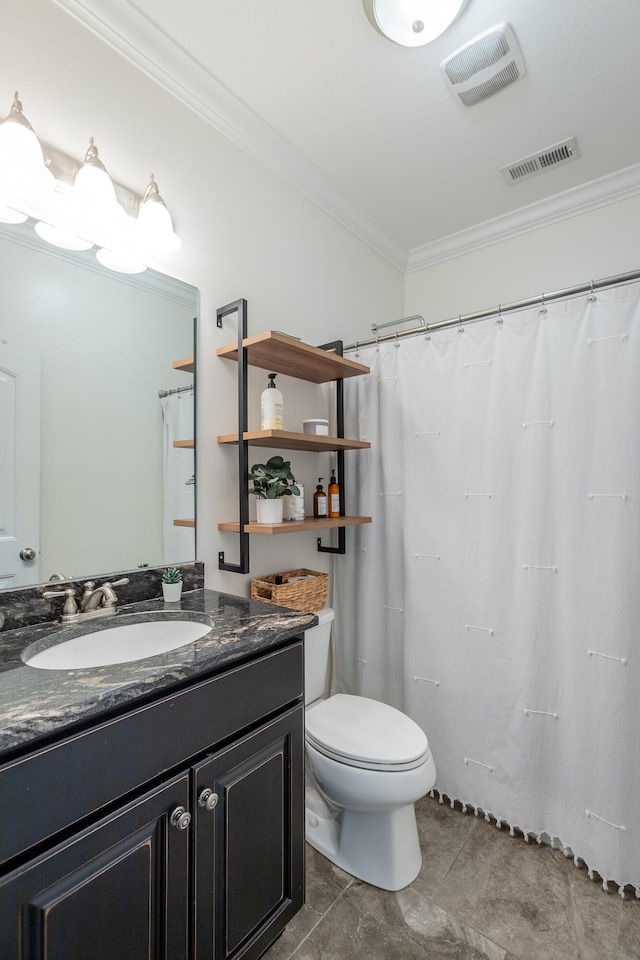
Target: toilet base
x=391, y=862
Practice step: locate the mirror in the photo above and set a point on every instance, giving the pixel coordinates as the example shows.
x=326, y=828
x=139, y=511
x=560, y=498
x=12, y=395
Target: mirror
x=98, y=348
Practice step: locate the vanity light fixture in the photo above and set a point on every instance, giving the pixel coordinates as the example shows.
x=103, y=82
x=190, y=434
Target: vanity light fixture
x=22, y=168
x=154, y=220
x=412, y=23
x=77, y=206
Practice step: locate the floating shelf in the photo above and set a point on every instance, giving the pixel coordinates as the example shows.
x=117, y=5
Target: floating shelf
x=295, y=526
x=184, y=444
x=293, y=358
x=188, y=365
x=184, y=523
x=288, y=440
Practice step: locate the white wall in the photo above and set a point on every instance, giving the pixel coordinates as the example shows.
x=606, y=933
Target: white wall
x=594, y=245
x=245, y=233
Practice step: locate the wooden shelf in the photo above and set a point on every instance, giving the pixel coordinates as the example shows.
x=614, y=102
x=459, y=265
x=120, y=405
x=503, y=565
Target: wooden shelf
x=184, y=444
x=295, y=526
x=282, y=354
x=288, y=440
x=187, y=365
x=184, y=523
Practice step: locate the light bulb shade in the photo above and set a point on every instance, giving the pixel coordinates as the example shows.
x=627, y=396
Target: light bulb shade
x=8, y=215
x=61, y=237
x=22, y=168
x=154, y=225
x=91, y=206
x=118, y=262
x=413, y=23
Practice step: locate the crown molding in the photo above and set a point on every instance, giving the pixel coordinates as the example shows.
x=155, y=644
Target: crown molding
x=128, y=31
x=562, y=206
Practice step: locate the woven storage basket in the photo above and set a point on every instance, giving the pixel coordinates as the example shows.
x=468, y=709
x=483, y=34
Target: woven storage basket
x=308, y=595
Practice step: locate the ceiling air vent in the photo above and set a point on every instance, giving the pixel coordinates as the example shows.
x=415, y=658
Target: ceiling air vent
x=484, y=66
x=537, y=163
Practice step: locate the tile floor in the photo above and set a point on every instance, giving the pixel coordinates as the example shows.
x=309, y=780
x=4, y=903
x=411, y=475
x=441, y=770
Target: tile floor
x=481, y=895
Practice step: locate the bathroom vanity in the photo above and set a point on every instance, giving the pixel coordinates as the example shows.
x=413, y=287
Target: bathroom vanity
x=155, y=809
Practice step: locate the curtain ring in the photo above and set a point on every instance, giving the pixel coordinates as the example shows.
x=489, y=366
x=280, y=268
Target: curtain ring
x=543, y=308
x=397, y=343
x=499, y=317
x=460, y=327
x=592, y=295
x=357, y=353
x=378, y=343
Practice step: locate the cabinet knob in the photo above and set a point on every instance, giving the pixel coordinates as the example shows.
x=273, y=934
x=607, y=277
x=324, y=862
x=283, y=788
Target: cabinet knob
x=208, y=799
x=180, y=818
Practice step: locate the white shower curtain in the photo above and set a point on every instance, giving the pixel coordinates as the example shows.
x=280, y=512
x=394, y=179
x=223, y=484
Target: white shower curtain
x=179, y=495
x=495, y=596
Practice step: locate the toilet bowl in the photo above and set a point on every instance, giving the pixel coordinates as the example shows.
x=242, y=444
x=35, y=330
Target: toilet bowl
x=367, y=764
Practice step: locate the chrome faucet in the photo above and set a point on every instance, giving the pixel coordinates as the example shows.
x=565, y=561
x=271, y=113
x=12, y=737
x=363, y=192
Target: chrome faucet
x=95, y=602
x=102, y=598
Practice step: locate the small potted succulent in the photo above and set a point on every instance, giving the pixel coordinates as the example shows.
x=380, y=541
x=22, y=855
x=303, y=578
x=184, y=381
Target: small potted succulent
x=272, y=481
x=171, y=584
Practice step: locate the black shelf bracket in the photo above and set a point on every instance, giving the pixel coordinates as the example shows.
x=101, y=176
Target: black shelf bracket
x=337, y=347
x=240, y=308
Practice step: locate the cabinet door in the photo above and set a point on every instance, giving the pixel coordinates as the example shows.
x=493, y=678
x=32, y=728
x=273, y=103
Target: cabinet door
x=115, y=890
x=249, y=858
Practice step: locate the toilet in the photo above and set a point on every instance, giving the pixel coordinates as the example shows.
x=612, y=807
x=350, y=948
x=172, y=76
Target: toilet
x=367, y=764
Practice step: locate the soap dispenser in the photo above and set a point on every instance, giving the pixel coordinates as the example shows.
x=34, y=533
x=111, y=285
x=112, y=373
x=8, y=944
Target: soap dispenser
x=271, y=406
x=319, y=501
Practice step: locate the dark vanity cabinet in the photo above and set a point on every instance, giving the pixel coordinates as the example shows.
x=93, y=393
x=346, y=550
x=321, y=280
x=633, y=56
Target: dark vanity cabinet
x=172, y=831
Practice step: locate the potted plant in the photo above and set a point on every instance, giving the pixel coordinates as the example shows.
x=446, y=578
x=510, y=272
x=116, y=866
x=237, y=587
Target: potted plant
x=272, y=481
x=171, y=584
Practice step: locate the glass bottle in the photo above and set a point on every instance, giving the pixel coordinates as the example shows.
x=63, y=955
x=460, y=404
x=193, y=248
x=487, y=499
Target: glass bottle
x=334, y=496
x=319, y=500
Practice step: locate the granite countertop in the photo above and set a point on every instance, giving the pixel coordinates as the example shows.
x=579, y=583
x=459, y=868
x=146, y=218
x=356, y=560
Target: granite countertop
x=36, y=703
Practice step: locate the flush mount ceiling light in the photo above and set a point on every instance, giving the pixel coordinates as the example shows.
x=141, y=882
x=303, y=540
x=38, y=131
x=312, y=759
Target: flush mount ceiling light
x=77, y=206
x=412, y=23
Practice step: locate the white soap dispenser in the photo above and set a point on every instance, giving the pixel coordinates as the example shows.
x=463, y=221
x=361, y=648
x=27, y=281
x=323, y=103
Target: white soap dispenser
x=271, y=406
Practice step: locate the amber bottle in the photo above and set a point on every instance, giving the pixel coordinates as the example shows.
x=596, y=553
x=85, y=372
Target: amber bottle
x=334, y=496
x=319, y=501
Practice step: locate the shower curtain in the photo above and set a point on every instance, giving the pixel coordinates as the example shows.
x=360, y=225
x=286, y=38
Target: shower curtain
x=495, y=596
x=179, y=498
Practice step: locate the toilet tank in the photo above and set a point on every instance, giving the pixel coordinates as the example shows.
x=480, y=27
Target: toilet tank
x=317, y=657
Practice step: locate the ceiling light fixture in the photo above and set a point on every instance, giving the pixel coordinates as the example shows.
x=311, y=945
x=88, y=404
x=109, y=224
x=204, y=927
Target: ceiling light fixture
x=77, y=206
x=412, y=23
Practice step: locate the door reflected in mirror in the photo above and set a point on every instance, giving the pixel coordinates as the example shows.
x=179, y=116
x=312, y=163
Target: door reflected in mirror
x=97, y=434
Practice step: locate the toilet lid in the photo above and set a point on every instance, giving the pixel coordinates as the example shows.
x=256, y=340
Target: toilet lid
x=365, y=732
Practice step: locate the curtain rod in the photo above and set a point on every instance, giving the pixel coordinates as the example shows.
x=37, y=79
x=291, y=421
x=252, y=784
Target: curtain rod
x=544, y=298
x=167, y=393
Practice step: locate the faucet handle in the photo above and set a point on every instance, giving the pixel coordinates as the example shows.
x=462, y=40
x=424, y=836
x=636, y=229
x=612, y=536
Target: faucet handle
x=108, y=593
x=70, y=606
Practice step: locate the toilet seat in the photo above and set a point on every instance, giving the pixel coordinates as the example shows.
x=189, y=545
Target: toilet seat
x=365, y=733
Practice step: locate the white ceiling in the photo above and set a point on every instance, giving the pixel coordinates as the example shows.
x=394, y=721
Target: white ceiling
x=368, y=128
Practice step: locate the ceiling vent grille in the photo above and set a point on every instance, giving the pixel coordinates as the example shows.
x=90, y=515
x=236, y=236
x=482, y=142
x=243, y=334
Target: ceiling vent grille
x=484, y=66
x=536, y=163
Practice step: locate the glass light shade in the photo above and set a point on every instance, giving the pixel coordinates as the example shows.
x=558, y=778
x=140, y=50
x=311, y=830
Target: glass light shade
x=154, y=226
x=413, y=23
x=118, y=262
x=7, y=215
x=59, y=237
x=92, y=206
x=23, y=173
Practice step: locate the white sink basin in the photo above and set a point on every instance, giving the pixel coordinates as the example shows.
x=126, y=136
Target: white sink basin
x=122, y=643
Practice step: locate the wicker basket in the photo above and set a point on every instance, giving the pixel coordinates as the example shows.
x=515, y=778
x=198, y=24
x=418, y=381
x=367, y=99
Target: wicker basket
x=309, y=594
